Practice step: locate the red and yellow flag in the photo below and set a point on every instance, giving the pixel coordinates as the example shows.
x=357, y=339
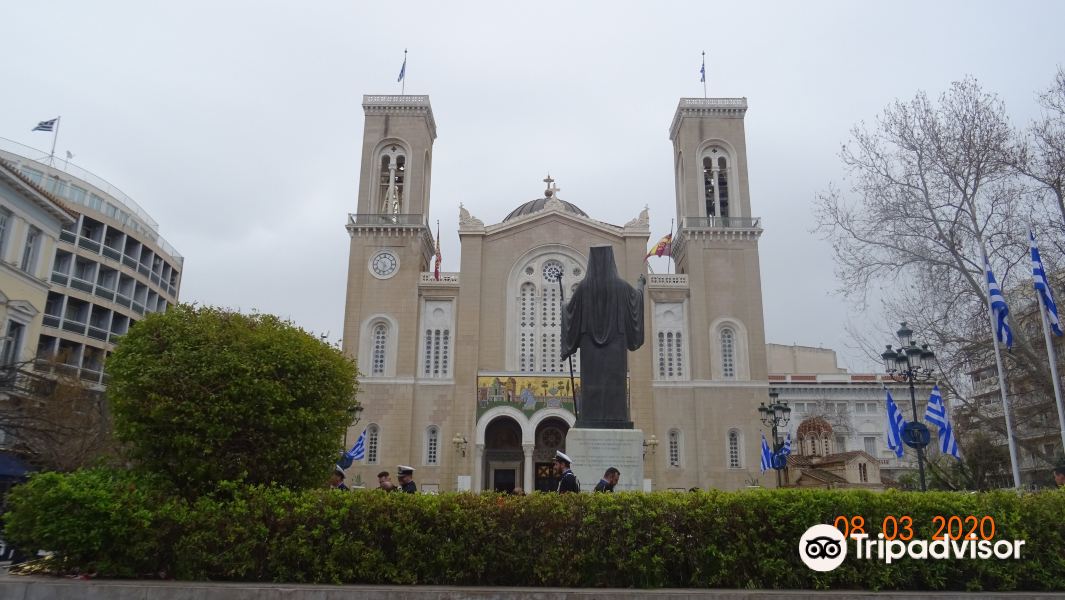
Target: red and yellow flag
x=664, y=247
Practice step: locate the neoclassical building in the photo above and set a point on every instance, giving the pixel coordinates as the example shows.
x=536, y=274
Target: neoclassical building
x=461, y=376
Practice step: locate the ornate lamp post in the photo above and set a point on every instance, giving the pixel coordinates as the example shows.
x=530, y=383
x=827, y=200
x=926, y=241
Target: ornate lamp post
x=776, y=415
x=910, y=364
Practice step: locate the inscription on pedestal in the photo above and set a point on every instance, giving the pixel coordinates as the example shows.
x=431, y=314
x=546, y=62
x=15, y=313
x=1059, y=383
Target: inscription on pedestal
x=595, y=450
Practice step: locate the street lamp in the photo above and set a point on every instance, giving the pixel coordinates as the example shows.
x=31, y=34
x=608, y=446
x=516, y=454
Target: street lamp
x=649, y=445
x=460, y=443
x=776, y=415
x=909, y=364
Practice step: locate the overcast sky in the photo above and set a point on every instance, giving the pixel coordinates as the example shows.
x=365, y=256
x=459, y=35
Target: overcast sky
x=237, y=125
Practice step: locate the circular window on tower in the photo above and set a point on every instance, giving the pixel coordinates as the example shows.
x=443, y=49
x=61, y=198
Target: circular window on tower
x=384, y=264
x=553, y=270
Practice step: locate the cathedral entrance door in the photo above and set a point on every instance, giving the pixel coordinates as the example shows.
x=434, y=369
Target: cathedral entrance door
x=550, y=436
x=504, y=476
x=546, y=481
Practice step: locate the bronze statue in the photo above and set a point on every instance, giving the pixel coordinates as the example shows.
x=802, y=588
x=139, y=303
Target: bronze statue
x=604, y=320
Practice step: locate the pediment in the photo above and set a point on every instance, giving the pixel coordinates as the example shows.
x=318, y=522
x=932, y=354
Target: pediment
x=551, y=219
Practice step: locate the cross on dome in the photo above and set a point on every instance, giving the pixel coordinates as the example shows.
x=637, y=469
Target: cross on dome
x=551, y=189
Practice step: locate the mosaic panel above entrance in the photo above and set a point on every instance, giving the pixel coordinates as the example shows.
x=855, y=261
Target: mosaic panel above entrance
x=527, y=393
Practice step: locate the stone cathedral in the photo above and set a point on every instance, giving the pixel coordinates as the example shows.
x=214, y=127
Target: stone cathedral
x=460, y=374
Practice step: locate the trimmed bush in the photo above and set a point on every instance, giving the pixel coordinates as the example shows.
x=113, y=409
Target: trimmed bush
x=204, y=395
x=119, y=525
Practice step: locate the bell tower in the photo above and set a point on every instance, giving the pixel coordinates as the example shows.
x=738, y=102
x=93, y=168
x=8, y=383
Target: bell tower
x=717, y=239
x=716, y=250
x=391, y=242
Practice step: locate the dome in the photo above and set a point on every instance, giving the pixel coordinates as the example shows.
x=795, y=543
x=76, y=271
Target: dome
x=537, y=205
x=813, y=427
x=550, y=195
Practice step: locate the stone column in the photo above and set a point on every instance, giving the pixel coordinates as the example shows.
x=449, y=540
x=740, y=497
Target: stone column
x=478, y=468
x=528, y=484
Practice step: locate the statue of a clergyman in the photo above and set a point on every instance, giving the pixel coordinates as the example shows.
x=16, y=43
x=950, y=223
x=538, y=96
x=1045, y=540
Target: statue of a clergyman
x=604, y=320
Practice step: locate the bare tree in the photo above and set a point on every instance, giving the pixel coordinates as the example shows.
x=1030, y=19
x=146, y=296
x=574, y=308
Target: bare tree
x=55, y=420
x=1039, y=153
x=933, y=187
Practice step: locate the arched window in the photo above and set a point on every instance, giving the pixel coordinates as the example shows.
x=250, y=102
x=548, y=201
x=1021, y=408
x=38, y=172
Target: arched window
x=728, y=353
x=392, y=178
x=674, y=448
x=669, y=346
x=437, y=351
x=538, y=311
x=380, y=345
x=710, y=187
x=722, y=187
x=734, y=449
x=432, y=445
x=527, y=328
x=716, y=182
x=373, y=442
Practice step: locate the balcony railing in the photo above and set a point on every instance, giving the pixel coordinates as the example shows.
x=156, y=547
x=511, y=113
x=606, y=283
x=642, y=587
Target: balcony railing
x=445, y=279
x=373, y=220
x=667, y=280
x=722, y=222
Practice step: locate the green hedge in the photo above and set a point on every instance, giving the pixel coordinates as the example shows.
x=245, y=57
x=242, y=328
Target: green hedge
x=120, y=525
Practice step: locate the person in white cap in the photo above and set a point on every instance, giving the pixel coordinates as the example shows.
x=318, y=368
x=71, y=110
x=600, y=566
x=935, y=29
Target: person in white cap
x=567, y=481
x=406, y=479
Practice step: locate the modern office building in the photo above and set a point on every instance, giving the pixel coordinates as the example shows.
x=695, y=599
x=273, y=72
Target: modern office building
x=110, y=267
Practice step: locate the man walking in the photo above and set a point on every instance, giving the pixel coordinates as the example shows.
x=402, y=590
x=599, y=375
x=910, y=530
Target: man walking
x=609, y=480
x=406, y=479
x=567, y=481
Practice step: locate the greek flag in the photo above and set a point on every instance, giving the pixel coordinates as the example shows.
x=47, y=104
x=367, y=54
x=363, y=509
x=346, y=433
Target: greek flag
x=998, y=307
x=767, y=456
x=1042, y=285
x=358, y=451
x=702, y=70
x=403, y=69
x=785, y=450
x=45, y=125
x=895, y=423
x=936, y=414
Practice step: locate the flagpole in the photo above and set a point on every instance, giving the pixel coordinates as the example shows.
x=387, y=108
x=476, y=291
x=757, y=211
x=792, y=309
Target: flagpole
x=55, y=137
x=1002, y=383
x=670, y=260
x=1053, y=367
x=704, y=74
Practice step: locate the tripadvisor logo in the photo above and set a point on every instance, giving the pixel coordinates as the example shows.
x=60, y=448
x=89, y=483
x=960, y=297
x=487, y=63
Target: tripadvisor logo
x=824, y=547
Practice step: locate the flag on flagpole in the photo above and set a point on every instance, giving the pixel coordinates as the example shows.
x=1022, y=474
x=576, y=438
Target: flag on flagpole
x=998, y=307
x=436, y=265
x=48, y=125
x=664, y=247
x=1042, y=285
x=936, y=414
x=358, y=451
x=895, y=422
x=785, y=450
x=403, y=69
x=702, y=69
x=767, y=457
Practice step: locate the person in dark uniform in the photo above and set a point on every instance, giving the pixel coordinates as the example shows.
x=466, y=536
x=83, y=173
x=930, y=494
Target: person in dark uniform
x=567, y=481
x=406, y=479
x=337, y=480
x=609, y=480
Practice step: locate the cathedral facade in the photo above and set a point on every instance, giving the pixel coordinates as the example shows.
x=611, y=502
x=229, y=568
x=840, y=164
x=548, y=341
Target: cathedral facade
x=461, y=375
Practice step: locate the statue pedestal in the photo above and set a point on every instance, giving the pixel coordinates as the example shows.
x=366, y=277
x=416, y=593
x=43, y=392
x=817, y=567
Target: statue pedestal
x=595, y=450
